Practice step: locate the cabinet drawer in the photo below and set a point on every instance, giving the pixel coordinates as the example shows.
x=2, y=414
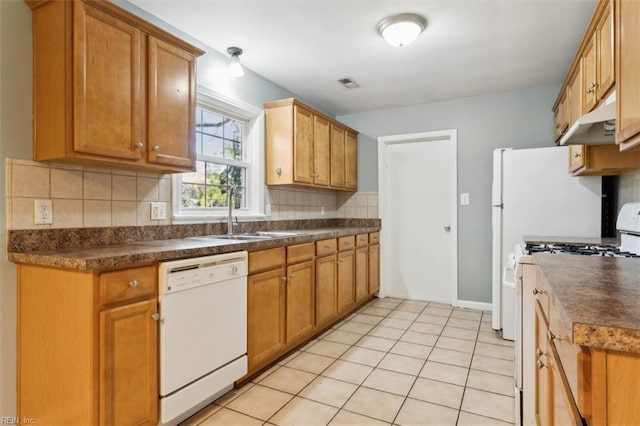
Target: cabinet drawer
x=265, y=260
x=118, y=286
x=300, y=252
x=324, y=247
x=362, y=240
x=374, y=237
x=346, y=243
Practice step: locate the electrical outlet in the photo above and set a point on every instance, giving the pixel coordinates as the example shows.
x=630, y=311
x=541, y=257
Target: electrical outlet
x=322, y=211
x=158, y=211
x=464, y=199
x=43, y=212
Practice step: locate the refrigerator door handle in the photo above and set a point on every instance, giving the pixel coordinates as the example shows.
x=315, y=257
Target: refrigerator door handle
x=498, y=205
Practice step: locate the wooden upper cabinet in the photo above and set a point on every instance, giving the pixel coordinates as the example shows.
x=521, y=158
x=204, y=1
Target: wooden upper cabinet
x=108, y=99
x=172, y=102
x=574, y=97
x=321, y=153
x=627, y=81
x=337, y=156
x=303, y=162
x=605, y=68
x=351, y=160
x=305, y=147
x=560, y=119
x=589, y=83
x=96, y=67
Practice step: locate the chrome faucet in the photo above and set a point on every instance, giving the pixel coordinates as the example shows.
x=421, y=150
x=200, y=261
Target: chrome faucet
x=230, y=192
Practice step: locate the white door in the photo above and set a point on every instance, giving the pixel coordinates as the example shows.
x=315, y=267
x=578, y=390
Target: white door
x=417, y=180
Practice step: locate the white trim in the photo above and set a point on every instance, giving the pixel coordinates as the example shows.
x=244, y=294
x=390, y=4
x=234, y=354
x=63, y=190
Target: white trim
x=383, y=143
x=473, y=305
x=254, y=145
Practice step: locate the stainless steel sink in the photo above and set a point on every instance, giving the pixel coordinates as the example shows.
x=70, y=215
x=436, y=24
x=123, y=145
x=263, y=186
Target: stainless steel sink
x=277, y=234
x=252, y=236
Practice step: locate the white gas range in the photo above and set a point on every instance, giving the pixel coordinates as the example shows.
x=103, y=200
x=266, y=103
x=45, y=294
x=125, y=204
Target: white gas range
x=628, y=224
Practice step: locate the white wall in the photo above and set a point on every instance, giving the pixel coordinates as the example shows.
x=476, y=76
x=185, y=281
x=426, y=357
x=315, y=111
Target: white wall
x=519, y=119
x=15, y=141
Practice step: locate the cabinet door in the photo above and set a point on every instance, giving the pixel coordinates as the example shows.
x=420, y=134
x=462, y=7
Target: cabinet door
x=374, y=268
x=543, y=395
x=564, y=410
x=337, y=156
x=627, y=66
x=346, y=280
x=321, y=150
x=362, y=273
x=351, y=161
x=171, y=89
x=604, y=59
x=129, y=365
x=302, y=144
x=589, y=84
x=574, y=98
x=300, y=301
x=577, y=155
x=326, y=297
x=108, y=108
x=266, y=302
x=560, y=118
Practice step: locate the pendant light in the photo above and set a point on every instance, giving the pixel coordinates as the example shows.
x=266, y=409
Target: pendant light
x=235, y=68
x=400, y=30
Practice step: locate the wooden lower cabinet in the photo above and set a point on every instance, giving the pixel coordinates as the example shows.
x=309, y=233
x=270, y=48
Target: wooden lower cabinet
x=326, y=290
x=301, y=301
x=87, y=346
x=266, y=316
x=362, y=273
x=374, y=269
x=128, y=365
x=574, y=385
x=346, y=280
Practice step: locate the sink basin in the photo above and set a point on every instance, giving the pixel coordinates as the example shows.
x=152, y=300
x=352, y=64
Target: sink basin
x=248, y=237
x=277, y=234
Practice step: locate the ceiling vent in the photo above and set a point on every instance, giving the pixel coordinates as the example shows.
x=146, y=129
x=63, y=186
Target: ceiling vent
x=348, y=83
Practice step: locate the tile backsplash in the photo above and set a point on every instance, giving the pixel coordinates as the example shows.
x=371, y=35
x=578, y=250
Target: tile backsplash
x=85, y=197
x=629, y=188
x=82, y=196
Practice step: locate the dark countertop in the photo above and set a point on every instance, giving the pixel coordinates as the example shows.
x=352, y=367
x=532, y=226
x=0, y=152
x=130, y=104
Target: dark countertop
x=597, y=297
x=147, y=252
x=583, y=241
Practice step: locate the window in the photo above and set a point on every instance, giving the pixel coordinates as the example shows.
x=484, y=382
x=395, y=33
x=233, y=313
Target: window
x=228, y=138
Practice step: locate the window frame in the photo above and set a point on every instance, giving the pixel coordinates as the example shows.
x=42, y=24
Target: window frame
x=254, y=156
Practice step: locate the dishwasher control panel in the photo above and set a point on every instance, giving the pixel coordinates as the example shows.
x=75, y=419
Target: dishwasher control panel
x=186, y=274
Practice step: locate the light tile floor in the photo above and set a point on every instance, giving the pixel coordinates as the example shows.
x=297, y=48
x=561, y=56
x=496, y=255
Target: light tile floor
x=394, y=361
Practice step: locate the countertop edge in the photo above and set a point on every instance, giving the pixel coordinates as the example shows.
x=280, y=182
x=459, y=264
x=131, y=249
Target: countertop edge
x=149, y=252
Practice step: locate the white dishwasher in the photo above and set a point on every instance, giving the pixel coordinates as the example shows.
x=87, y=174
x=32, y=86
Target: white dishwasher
x=203, y=331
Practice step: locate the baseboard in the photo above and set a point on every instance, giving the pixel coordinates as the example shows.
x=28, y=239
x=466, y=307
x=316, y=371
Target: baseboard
x=473, y=305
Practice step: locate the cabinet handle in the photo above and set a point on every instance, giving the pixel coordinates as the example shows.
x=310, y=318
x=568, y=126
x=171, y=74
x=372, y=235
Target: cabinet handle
x=539, y=352
x=156, y=148
x=133, y=283
x=155, y=316
x=284, y=279
x=540, y=365
x=279, y=171
x=291, y=276
x=139, y=145
x=557, y=126
x=536, y=291
x=339, y=262
x=592, y=88
x=577, y=155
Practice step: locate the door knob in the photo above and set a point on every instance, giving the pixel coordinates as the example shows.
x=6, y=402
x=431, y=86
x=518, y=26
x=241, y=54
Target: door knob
x=447, y=228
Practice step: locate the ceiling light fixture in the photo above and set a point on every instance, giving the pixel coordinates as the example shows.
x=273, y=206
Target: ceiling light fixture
x=235, y=68
x=400, y=30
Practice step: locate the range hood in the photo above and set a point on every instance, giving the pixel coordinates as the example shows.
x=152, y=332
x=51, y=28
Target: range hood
x=595, y=128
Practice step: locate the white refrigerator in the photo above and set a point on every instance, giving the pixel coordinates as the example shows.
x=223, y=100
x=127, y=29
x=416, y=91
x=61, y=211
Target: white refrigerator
x=534, y=194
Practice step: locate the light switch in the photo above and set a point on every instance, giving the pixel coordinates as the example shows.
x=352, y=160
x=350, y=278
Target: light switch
x=464, y=199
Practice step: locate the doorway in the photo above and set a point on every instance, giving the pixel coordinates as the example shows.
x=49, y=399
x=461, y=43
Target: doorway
x=417, y=179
